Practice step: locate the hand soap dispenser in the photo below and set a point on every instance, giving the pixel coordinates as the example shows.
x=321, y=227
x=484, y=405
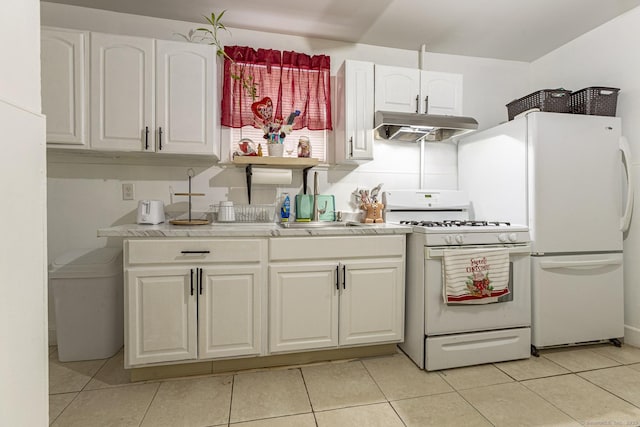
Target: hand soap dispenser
x=285, y=209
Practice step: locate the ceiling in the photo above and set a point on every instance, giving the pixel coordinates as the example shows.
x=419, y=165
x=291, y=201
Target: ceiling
x=521, y=30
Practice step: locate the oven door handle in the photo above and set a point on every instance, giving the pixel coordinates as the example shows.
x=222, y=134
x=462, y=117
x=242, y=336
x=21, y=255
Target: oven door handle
x=594, y=263
x=438, y=252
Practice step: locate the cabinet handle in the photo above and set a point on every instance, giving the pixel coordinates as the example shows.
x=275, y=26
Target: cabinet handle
x=344, y=277
x=417, y=102
x=200, y=280
x=191, y=281
x=338, y=277
x=426, y=104
x=160, y=138
x=146, y=137
x=351, y=147
x=195, y=252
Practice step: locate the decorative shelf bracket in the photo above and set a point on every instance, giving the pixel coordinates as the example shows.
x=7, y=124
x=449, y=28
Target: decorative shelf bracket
x=249, y=173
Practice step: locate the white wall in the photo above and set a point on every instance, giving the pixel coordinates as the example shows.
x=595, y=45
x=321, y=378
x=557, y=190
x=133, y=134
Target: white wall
x=608, y=56
x=23, y=354
x=20, y=72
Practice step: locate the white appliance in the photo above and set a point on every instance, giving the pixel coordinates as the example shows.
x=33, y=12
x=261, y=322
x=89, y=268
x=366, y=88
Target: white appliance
x=150, y=212
x=563, y=176
x=442, y=336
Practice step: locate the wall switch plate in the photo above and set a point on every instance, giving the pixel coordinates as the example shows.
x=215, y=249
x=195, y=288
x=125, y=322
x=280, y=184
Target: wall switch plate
x=127, y=191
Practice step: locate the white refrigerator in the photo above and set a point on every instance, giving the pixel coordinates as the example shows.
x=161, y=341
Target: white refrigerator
x=566, y=176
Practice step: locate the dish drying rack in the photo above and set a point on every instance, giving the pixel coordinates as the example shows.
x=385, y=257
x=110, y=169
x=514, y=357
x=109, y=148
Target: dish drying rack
x=250, y=213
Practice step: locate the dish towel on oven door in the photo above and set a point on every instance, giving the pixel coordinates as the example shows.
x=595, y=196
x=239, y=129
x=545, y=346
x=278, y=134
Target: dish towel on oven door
x=475, y=276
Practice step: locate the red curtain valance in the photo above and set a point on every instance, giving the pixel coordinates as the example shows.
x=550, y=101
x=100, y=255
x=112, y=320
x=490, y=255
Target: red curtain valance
x=293, y=81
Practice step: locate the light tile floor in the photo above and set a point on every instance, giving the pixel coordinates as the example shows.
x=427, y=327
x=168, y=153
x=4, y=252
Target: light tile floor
x=589, y=385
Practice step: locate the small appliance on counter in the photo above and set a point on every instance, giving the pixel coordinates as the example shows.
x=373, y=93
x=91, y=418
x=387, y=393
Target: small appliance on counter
x=150, y=212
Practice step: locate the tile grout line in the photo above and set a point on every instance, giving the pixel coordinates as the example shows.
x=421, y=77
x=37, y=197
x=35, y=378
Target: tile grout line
x=66, y=406
x=306, y=389
x=146, y=412
x=548, y=401
x=233, y=383
x=472, y=405
x=375, y=382
x=610, y=392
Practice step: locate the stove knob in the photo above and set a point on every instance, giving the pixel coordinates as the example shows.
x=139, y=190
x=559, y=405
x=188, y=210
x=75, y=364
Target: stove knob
x=513, y=237
x=502, y=237
x=448, y=240
x=459, y=239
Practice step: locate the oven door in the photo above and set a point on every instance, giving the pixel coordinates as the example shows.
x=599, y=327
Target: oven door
x=513, y=310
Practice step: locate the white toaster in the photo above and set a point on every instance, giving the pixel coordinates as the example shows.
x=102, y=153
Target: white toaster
x=150, y=212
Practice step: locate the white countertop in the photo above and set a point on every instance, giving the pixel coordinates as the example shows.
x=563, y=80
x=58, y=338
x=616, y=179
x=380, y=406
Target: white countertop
x=247, y=230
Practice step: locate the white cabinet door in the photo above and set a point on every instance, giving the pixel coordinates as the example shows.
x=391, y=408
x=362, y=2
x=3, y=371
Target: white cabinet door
x=161, y=310
x=229, y=311
x=372, y=302
x=355, y=114
x=63, y=61
x=303, y=307
x=397, y=89
x=441, y=93
x=122, y=116
x=185, y=97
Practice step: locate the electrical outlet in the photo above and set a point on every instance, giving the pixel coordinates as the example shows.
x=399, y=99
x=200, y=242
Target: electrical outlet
x=127, y=191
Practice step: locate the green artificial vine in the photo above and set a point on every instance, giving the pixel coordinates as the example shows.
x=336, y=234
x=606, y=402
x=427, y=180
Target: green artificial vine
x=210, y=35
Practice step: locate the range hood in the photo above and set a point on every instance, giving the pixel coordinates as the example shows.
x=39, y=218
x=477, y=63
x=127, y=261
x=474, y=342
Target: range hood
x=413, y=127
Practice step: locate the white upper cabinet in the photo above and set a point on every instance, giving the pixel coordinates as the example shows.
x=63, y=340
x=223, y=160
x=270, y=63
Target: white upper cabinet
x=184, y=97
x=152, y=95
x=122, y=115
x=355, y=113
x=441, y=93
x=63, y=59
x=410, y=90
x=397, y=89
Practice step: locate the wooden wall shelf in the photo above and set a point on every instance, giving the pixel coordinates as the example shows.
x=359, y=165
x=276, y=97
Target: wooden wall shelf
x=278, y=162
x=248, y=162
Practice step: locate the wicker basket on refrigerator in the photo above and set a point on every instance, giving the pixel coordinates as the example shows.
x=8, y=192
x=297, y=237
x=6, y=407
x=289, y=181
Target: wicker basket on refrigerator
x=596, y=100
x=550, y=100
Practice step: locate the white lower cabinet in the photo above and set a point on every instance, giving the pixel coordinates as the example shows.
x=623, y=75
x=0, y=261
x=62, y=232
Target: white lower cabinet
x=229, y=311
x=372, y=302
x=351, y=298
x=161, y=314
x=303, y=307
x=193, y=299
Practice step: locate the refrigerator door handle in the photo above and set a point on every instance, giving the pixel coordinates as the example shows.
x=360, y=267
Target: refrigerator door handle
x=548, y=265
x=625, y=221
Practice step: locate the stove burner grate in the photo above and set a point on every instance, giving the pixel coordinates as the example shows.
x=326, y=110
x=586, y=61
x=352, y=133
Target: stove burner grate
x=456, y=223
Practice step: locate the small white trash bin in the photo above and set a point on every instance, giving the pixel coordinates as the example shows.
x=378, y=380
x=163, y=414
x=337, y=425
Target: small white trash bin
x=87, y=286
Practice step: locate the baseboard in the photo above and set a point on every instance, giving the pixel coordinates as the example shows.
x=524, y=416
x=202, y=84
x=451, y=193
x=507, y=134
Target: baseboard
x=632, y=336
x=241, y=364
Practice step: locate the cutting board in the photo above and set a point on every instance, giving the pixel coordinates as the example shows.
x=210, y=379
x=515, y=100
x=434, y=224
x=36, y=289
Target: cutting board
x=304, y=207
x=327, y=203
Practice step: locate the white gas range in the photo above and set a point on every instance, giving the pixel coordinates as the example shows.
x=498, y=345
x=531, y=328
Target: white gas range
x=441, y=335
